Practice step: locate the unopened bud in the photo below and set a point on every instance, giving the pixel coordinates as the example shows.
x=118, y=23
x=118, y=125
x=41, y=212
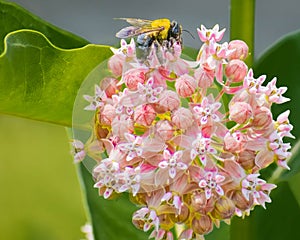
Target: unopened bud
x=241, y=50
x=262, y=117
x=202, y=224
x=246, y=159
x=144, y=115
x=134, y=76
x=165, y=129
x=185, y=85
x=183, y=216
x=115, y=64
x=109, y=85
x=107, y=114
x=241, y=202
x=169, y=100
x=199, y=203
x=236, y=70
x=240, y=112
x=182, y=118
x=224, y=208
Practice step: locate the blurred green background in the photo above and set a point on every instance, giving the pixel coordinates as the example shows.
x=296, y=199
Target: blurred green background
x=40, y=193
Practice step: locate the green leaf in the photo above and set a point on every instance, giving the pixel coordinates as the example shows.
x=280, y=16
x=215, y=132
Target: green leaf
x=39, y=80
x=13, y=17
x=111, y=219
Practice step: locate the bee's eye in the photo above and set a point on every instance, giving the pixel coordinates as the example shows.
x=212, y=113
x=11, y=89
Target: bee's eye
x=175, y=29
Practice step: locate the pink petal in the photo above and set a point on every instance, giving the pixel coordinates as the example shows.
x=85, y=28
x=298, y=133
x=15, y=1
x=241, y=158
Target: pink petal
x=219, y=190
x=207, y=193
x=172, y=172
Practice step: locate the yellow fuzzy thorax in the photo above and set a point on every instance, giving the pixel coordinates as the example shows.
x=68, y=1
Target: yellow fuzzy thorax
x=163, y=22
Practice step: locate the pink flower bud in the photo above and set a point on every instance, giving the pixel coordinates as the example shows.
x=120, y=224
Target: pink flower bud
x=183, y=216
x=262, y=117
x=236, y=70
x=164, y=129
x=234, y=142
x=200, y=204
x=241, y=50
x=241, y=202
x=185, y=85
x=182, y=118
x=247, y=159
x=240, y=112
x=204, y=75
x=224, y=208
x=144, y=115
x=115, y=64
x=202, y=225
x=134, y=76
x=107, y=114
x=109, y=85
x=169, y=100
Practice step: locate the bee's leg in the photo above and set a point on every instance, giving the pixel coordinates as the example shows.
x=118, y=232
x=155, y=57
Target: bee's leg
x=144, y=43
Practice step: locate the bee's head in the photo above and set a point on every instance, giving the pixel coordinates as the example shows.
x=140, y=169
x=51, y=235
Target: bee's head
x=175, y=30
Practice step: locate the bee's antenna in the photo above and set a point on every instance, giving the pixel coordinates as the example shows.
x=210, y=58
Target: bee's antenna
x=184, y=30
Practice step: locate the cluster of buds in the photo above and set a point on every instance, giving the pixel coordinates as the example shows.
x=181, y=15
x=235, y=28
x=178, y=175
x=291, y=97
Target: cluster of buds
x=187, y=155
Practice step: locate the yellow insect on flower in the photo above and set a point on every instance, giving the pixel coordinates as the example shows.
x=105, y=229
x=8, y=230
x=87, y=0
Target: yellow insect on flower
x=160, y=31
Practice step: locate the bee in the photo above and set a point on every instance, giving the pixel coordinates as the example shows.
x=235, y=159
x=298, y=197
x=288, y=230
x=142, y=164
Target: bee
x=160, y=32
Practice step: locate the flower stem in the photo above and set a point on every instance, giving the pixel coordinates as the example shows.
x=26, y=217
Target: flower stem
x=242, y=21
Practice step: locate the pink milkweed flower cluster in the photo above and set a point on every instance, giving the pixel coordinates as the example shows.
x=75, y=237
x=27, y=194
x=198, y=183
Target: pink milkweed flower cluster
x=184, y=154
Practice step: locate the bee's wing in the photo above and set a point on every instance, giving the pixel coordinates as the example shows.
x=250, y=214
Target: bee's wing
x=137, y=22
x=132, y=31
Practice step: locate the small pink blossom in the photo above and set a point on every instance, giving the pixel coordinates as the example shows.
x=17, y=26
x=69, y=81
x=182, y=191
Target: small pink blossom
x=275, y=94
x=172, y=162
x=132, y=147
x=258, y=188
x=207, y=111
x=78, y=150
x=254, y=85
x=210, y=34
x=283, y=125
x=96, y=101
x=210, y=183
x=148, y=92
x=202, y=148
x=147, y=218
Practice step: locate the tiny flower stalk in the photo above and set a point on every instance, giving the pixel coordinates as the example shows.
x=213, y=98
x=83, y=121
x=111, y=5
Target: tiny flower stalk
x=188, y=158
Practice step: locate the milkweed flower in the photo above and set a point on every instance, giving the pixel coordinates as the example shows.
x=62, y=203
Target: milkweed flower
x=164, y=131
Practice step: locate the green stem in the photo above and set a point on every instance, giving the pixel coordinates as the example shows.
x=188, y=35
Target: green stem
x=242, y=21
